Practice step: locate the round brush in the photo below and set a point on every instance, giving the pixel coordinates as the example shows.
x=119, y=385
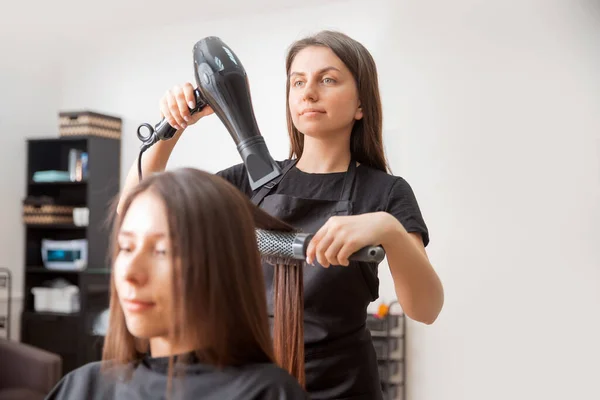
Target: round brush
x=290, y=248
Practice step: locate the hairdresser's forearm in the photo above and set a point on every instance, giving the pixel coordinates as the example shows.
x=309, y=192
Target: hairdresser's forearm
x=418, y=288
x=154, y=159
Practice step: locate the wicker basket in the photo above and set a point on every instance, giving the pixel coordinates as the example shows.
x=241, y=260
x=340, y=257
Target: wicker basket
x=87, y=123
x=47, y=214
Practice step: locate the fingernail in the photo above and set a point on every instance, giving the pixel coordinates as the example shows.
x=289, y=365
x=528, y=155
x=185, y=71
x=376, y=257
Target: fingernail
x=191, y=104
x=186, y=118
x=184, y=125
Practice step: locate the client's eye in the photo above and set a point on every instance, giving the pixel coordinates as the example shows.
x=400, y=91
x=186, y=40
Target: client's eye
x=124, y=248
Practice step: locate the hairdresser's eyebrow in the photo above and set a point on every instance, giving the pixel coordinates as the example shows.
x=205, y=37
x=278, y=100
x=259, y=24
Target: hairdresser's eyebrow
x=321, y=71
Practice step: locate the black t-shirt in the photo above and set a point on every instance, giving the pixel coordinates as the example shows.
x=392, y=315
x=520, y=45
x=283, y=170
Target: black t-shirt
x=150, y=378
x=373, y=191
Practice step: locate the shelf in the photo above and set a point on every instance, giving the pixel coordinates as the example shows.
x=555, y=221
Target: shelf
x=97, y=271
x=58, y=139
x=42, y=270
x=51, y=314
x=54, y=226
x=58, y=183
x=92, y=271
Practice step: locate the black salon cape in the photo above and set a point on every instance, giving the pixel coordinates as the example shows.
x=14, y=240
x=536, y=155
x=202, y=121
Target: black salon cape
x=201, y=381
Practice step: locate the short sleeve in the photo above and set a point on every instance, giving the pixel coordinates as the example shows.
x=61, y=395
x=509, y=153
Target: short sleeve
x=402, y=204
x=237, y=176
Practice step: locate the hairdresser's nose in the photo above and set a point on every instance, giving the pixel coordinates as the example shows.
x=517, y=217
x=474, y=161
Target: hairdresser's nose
x=311, y=93
x=134, y=269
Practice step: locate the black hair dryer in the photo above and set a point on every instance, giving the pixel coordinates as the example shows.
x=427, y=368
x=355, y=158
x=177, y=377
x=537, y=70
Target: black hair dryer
x=222, y=83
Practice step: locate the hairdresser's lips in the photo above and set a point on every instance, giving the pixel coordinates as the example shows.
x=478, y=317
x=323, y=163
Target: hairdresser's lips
x=137, y=305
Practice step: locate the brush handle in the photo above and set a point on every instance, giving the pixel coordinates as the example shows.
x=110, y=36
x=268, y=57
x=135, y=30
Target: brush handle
x=374, y=254
x=370, y=254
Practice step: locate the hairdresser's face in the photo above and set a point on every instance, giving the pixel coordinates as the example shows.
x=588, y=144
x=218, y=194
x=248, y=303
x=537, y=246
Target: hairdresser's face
x=323, y=96
x=143, y=268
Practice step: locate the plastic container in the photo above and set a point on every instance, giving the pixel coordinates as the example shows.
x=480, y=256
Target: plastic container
x=59, y=300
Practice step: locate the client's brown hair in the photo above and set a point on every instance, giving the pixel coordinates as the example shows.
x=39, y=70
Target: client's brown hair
x=219, y=298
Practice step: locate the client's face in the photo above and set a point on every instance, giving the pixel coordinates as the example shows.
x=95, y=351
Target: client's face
x=143, y=268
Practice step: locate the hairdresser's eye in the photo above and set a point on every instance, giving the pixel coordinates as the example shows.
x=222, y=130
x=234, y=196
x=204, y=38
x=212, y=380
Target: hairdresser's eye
x=329, y=81
x=297, y=83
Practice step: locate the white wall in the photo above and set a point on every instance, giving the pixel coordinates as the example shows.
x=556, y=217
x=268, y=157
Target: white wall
x=500, y=135
x=491, y=113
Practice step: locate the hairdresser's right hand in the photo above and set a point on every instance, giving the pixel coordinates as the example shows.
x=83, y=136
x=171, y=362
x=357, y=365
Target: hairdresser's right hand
x=175, y=107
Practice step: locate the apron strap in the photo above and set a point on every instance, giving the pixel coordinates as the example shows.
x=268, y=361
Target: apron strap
x=344, y=205
x=267, y=187
x=346, y=194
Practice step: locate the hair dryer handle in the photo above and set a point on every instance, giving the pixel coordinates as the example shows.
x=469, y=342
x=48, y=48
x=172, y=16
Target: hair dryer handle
x=163, y=130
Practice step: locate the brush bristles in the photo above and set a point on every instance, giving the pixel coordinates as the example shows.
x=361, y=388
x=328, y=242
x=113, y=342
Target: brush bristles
x=275, y=260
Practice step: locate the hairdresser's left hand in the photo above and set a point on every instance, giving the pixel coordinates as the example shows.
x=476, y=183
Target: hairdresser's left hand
x=343, y=235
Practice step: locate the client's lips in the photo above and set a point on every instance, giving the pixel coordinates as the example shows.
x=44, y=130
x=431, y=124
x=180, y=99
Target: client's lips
x=312, y=111
x=137, y=305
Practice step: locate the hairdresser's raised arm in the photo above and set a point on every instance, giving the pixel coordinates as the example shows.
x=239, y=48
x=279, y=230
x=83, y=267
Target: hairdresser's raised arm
x=174, y=107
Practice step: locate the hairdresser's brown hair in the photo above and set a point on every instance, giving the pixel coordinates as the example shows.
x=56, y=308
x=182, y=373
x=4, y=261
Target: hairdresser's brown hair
x=219, y=299
x=366, y=142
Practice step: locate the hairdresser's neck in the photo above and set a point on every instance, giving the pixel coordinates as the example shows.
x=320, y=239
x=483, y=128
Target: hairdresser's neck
x=162, y=347
x=325, y=155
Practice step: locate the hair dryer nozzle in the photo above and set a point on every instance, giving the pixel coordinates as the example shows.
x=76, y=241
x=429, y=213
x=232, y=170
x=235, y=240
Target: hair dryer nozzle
x=260, y=165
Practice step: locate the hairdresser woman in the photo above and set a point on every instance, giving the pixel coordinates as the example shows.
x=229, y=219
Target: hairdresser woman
x=336, y=185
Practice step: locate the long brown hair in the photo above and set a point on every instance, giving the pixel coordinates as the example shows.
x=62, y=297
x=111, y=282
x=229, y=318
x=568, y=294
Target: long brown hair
x=366, y=141
x=288, y=324
x=219, y=296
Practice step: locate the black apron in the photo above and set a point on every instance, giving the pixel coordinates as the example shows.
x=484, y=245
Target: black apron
x=340, y=358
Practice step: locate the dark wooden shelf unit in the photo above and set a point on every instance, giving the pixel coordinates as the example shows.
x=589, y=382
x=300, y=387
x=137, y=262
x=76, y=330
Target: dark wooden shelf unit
x=70, y=335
